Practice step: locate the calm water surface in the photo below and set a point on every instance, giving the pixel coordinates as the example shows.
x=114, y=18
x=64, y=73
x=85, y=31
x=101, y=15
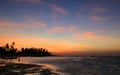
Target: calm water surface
x=57, y=63
x=77, y=65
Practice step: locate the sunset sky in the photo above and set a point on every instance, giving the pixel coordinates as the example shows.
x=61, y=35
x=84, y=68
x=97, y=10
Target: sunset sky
x=62, y=26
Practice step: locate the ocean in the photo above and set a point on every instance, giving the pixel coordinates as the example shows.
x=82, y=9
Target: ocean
x=109, y=65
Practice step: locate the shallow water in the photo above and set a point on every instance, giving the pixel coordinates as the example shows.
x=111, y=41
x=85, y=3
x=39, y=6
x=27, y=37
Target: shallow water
x=56, y=63
x=77, y=65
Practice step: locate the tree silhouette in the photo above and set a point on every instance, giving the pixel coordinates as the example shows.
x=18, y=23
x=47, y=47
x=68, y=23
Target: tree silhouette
x=8, y=51
x=34, y=52
x=7, y=46
x=11, y=52
x=12, y=46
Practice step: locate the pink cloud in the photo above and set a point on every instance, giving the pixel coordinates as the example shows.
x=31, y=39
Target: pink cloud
x=79, y=16
x=91, y=35
x=13, y=24
x=61, y=29
x=93, y=8
x=33, y=24
x=40, y=24
x=30, y=1
x=98, y=9
x=99, y=18
x=58, y=9
x=36, y=23
x=54, y=15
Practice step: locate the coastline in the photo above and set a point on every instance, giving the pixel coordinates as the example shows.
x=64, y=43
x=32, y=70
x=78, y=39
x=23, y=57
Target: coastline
x=25, y=69
x=105, y=65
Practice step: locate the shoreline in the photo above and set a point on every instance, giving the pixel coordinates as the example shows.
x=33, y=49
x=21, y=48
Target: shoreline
x=25, y=69
x=68, y=65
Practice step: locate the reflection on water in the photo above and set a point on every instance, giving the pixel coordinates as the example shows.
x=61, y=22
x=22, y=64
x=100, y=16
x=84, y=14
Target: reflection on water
x=77, y=65
x=56, y=63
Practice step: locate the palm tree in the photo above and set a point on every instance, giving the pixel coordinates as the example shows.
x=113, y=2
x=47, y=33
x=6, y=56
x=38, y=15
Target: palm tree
x=12, y=46
x=7, y=47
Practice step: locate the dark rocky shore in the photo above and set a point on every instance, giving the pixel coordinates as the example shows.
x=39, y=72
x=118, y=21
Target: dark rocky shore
x=24, y=69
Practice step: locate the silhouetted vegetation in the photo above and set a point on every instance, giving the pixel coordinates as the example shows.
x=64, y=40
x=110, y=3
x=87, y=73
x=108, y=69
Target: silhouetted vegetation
x=8, y=51
x=34, y=52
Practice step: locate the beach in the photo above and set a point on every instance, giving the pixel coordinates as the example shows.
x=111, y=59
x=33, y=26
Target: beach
x=104, y=65
x=25, y=69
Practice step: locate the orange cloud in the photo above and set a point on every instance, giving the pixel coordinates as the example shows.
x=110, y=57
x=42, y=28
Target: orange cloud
x=59, y=46
x=61, y=29
x=58, y=9
x=62, y=45
x=25, y=41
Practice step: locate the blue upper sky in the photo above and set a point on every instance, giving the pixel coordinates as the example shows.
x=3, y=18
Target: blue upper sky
x=84, y=22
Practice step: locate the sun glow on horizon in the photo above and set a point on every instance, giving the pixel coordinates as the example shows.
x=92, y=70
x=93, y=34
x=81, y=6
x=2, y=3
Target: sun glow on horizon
x=63, y=26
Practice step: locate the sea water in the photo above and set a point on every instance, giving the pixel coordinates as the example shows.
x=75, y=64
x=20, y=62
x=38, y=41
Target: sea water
x=77, y=65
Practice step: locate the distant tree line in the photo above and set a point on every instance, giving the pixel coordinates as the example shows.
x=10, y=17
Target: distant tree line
x=34, y=52
x=10, y=51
